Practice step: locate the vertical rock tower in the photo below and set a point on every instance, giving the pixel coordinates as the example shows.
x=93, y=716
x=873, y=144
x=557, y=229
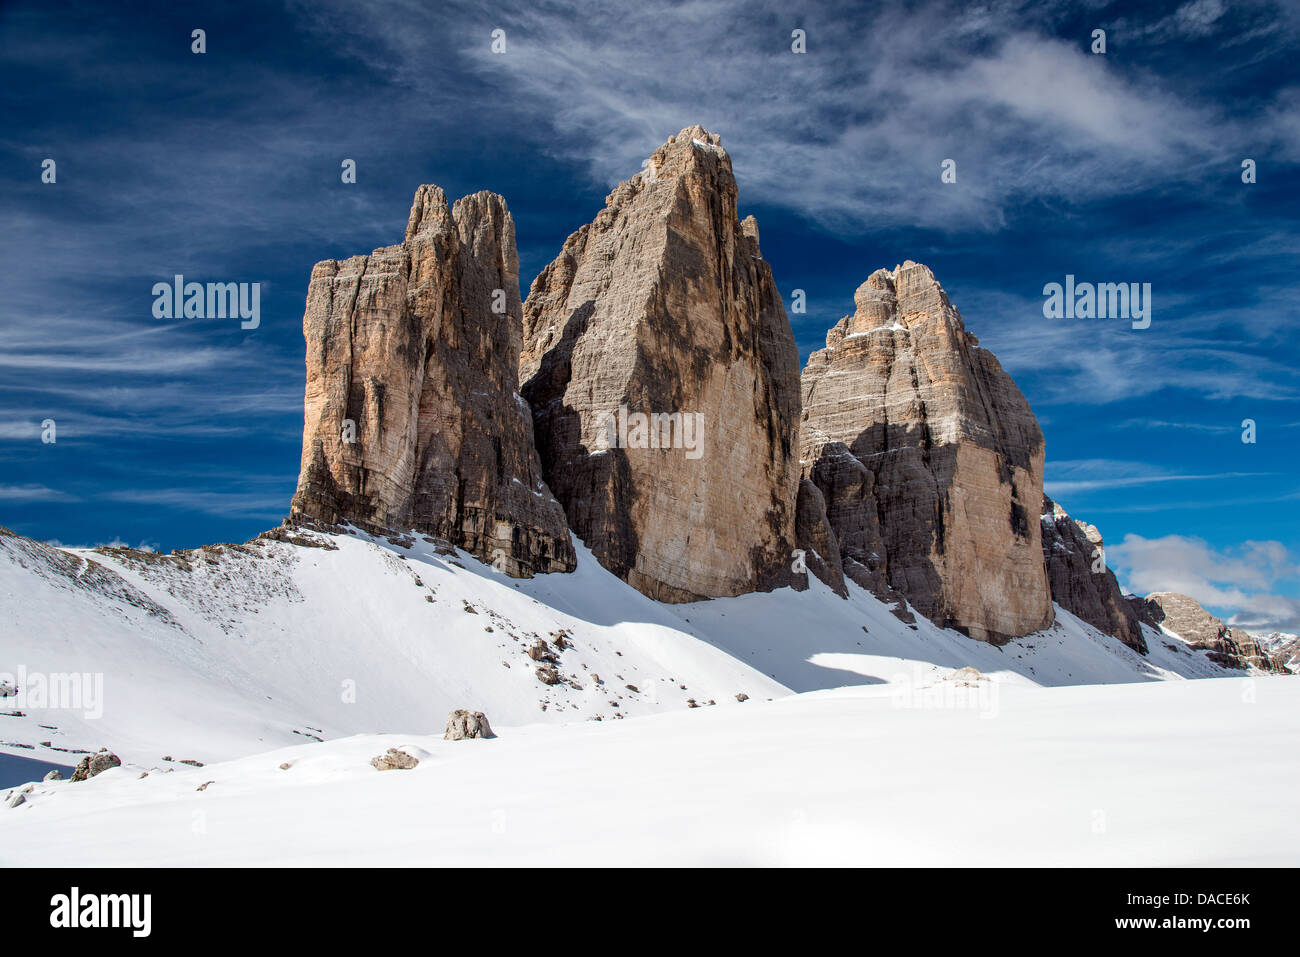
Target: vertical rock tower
x=929, y=459
x=413, y=418
x=663, y=306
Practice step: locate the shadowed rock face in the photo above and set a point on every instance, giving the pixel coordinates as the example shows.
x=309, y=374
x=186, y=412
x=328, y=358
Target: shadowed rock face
x=664, y=305
x=930, y=460
x=1185, y=617
x=1072, y=550
x=817, y=538
x=406, y=344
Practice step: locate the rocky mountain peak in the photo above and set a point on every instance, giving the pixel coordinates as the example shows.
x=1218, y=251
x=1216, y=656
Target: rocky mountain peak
x=412, y=414
x=429, y=212
x=1188, y=619
x=662, y=307
x=929, y=459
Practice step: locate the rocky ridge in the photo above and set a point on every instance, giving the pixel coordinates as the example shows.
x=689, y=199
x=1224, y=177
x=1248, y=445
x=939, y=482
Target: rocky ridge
x=1185, y=617
x=1079, y=579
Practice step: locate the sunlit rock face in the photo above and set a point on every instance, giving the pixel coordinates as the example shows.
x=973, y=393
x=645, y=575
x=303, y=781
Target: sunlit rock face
x=930, y=460
x=663, y=306
x=413, y=419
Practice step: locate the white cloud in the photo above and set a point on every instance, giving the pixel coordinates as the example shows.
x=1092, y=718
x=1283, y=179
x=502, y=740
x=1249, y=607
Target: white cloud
x=32, y=493
x=1239, y=582
x=850, y=133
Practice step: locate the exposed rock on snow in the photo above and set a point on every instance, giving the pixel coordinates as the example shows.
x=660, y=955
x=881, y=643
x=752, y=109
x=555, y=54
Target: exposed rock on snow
x=394, y=759
x=664, y=305
x=412, y=411
x=462, y=724
x=930, y=460
x=94, y=764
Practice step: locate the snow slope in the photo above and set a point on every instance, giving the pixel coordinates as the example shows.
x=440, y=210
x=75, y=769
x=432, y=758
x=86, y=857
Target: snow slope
x=232, y=650
x=1158, y=773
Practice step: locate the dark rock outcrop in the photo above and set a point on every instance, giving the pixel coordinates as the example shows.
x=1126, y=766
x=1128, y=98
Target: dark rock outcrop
x=817, y=539
x=1080, y=581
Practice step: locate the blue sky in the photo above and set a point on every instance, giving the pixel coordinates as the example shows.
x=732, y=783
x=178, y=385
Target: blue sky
x=1119, y=167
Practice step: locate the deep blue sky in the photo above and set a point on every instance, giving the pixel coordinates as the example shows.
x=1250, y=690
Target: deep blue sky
x=225, y=166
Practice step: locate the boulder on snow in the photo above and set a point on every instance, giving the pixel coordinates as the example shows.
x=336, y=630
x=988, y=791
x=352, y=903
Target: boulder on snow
x=463, y=724
x=54, y=775
x=94, y=764
x=394, y=760
x=967, y=677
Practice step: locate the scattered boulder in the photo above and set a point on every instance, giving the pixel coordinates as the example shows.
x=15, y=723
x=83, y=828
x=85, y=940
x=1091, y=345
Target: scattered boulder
x=547, y=675
x=393, y=760
x=95, y=764
x=967, y=677
x=462, y=724
x=54, y=775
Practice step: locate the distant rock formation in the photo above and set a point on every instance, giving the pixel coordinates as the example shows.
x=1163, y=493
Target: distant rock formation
x=1080, y=581
x=1283, y=647
x=1184, y=616
x=413, y=418
x=663, y=307
x=930, y=461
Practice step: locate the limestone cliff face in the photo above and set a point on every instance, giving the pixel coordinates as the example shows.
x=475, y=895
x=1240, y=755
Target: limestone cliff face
x=930, y=460
x=664, y=306
x=1080, y=581
x=1185, y=617
x=412, y=414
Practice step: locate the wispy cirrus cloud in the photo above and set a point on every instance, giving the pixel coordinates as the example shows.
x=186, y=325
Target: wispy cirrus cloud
x=1090, y=474
x=852, y=132
x=33, y=493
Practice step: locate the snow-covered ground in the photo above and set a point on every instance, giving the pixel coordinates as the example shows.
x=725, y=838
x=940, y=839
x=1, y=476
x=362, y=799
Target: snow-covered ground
x=1166, y=773
x=261, y=646
x=780, y=727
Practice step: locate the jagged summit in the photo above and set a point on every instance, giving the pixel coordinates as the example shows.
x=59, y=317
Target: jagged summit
x=662, y=307
x=412, y=413
x=929, y=458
